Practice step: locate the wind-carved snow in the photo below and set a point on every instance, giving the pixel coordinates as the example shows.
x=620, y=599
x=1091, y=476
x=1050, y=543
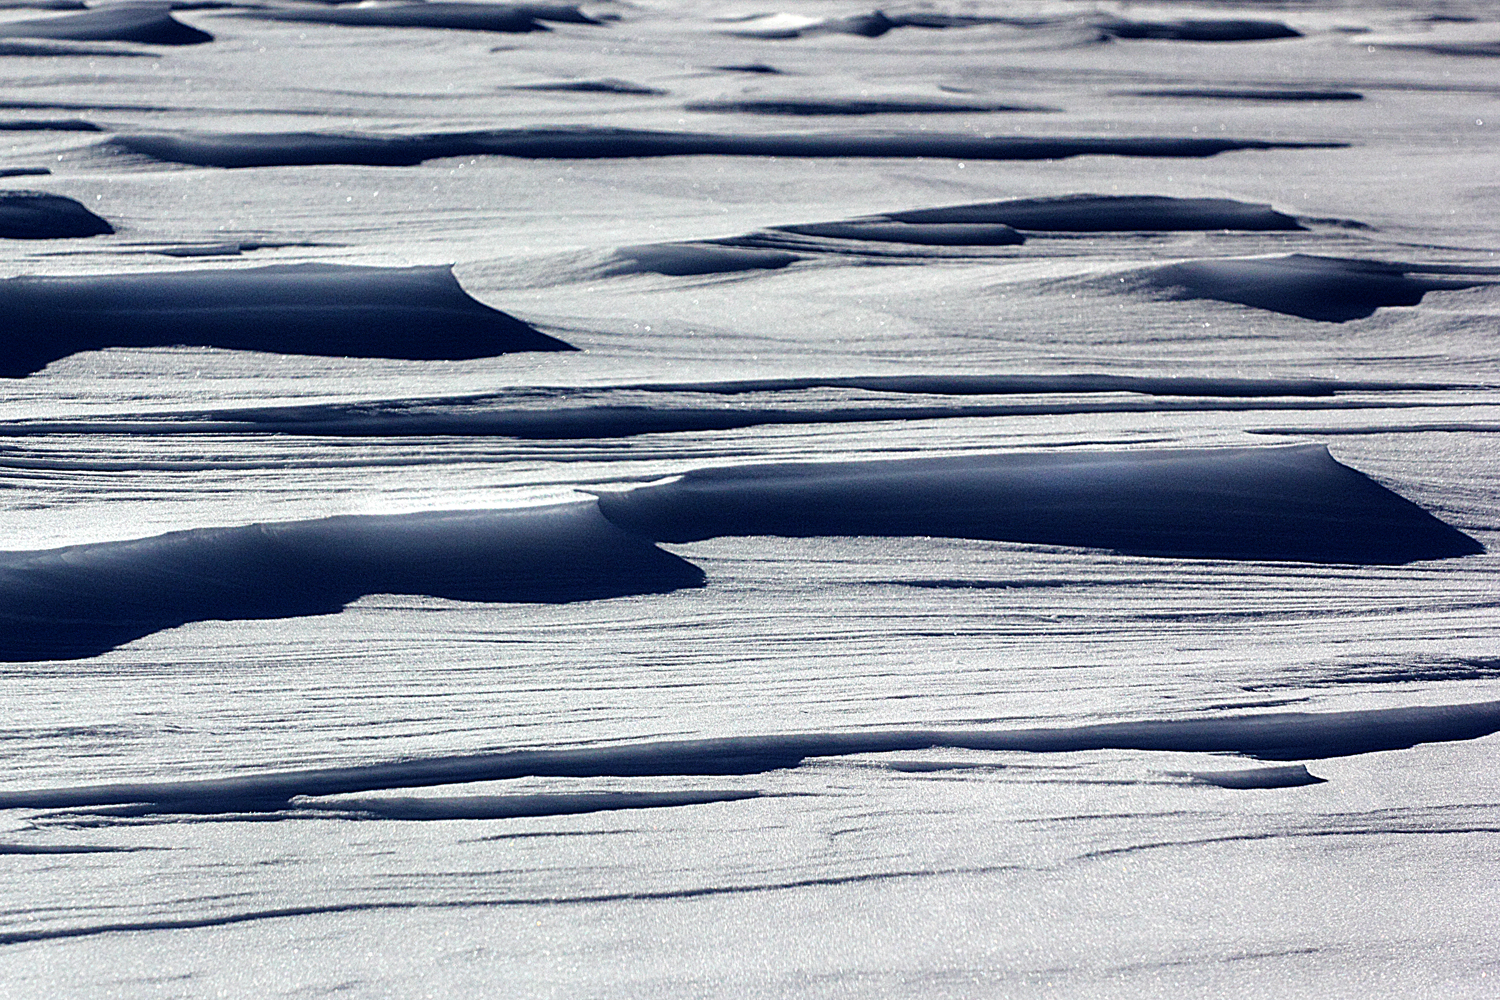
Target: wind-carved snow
x=36, y=215
x=82, y=600
x=300, y=309
x=1270, y=503
x=1292, y=503
x=383, y=705
x=151, y=23
x=1270, y=736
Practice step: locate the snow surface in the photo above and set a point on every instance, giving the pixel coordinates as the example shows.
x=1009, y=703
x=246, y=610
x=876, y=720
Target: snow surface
x=1114, y=385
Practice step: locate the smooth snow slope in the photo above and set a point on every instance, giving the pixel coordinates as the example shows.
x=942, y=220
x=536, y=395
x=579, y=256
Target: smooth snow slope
x=1017, y=518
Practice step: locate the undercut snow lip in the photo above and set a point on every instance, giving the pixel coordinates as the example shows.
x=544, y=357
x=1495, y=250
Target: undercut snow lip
x=1292, y=503
x=417, y=313
x=1272, y=736
x=36, y=215
x=1290, y=776
x=151, y=23
x=82, y=600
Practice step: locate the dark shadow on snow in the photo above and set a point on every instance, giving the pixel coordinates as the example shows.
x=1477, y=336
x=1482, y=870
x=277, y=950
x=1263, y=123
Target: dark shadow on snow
x=1200, y=30
x=1291, y=776
x=266, y=149
x=419, y=313
x=1249, y=94
x=510, y=18
x=1331, y=289
x=1100, y=213
x=1289, y=504
x=151, y=23
x=687, y=259
x=35, y=215
x=1275, y=736
x=83, y=600
x=825, y=106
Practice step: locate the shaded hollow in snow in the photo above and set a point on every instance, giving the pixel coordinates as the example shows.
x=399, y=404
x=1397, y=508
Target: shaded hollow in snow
x=36, y=215
x=419, y=313
x=82, y=600
x=1331, y=289
x=1271, y=736
x=152, y=23
x=268, y=149
x=1290, y=503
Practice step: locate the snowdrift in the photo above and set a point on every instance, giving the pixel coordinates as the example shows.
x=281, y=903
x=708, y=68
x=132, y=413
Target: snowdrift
x=151, y=23
x=325, y=309
x=85, y=599
x=1293, y=503
x=1330, y=289
x=35, y=215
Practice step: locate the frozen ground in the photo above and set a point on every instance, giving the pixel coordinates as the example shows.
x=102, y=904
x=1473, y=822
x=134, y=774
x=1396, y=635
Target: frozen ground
x=1043, y=651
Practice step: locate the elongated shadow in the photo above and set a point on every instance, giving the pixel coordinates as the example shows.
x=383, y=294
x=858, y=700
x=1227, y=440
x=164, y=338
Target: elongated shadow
x=83, y=600
x=1275, y=736
x=1287, y=504
x=269, y=149
x=1331, y=289
x=151, y=23
x=418, y=313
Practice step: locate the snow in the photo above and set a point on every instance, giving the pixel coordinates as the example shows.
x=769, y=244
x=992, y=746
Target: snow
x=707, y=659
